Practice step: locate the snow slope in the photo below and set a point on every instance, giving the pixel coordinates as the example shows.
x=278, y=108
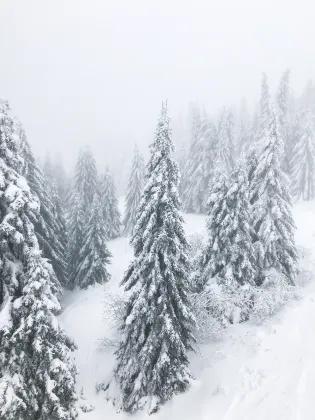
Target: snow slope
x=256, y=372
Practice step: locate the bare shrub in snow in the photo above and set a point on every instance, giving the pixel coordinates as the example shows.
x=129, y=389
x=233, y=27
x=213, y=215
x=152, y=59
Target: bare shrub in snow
x=196, y=242
x=114, y=309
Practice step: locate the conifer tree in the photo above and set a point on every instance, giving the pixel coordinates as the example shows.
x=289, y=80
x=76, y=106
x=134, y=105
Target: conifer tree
x=303, y=161
x=226, y=141
x=283, y=108
x=111, y=214
x=134, y=192
x=152, y=359
x=272, y=210
x=76, y=224
x=228, y=258
x=199, y=167
x=93, y=256
x=37, y=374
x=86, y=182
x=49, y=231
x=264, y=111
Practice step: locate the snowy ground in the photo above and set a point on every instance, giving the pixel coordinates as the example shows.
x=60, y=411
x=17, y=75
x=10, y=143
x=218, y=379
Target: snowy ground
x=256, y=372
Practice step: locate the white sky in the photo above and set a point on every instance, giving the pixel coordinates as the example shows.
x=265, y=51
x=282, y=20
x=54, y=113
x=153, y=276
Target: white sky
x=96, y=71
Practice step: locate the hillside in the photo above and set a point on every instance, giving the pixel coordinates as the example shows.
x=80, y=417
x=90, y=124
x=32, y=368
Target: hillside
x=255, y=372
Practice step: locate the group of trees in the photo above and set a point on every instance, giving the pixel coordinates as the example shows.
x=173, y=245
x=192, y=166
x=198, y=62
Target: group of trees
x=224, y=139
x=54, y=234
x=250, y=235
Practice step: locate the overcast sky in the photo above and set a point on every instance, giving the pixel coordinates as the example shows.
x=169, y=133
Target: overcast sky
x=95, y=71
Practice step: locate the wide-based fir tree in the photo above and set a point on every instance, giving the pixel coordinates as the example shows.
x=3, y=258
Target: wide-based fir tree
x=303, y=161
x=272, y=209
x=156, y=328
x=109, y=200
x=49, y=231
x=37, y=374
x=134, y=192
x=228, y=257
x=93, y=256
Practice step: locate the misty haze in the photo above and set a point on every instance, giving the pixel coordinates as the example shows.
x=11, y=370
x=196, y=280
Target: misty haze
x=157, y=201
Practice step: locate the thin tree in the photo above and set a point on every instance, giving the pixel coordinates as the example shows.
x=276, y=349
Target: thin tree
x=94, y=256
x=111, y=213
x=152, y=357
x=264, y=111
x=272, y=209
x=134, y=192
x=303, y=161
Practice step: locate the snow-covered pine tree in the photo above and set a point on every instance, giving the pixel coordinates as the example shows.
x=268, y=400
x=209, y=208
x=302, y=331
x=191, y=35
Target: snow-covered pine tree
x=283, y=108
x=152, y=359
x=225, y=153
x=50, y=233
x=86, y=182
x=272, y=209
x=76, y=225
x=94, y=256
x=134, y=191
x=109, y=201
x=228, y=258
x=303, y=161
x=37, y=374
x=199, y=167
x=264, y=111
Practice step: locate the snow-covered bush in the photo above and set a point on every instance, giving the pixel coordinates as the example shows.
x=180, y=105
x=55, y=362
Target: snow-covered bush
x=196, y=242
x=114, y=309
x=272, y=296
x=220, y=305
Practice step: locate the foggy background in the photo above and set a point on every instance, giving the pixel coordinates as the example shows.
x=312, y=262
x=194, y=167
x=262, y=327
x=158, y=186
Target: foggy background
x=95, y=72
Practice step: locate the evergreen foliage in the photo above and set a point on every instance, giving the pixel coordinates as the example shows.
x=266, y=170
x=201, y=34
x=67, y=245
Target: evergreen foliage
x=50, y=232
x=37, y=374
x=272, y=210
x=152, y=360
x=111, y=214
x=264, y=111
x=86, y=182
x=76, y=225
x=199, y=166
x=93, y=256
x=226, y=141
x=228, y=258
x=134, y=191
x=303, y=161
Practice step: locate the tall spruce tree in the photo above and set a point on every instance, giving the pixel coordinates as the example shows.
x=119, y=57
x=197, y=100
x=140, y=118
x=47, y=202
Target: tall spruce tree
x=228, y=258
x=37, y=374
x=303, y=161
x=264, y=111
x=272, y=210
x=152, y=359
x=111, y=214
x=50, y=232
x=93, y=256
x=134, y=191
